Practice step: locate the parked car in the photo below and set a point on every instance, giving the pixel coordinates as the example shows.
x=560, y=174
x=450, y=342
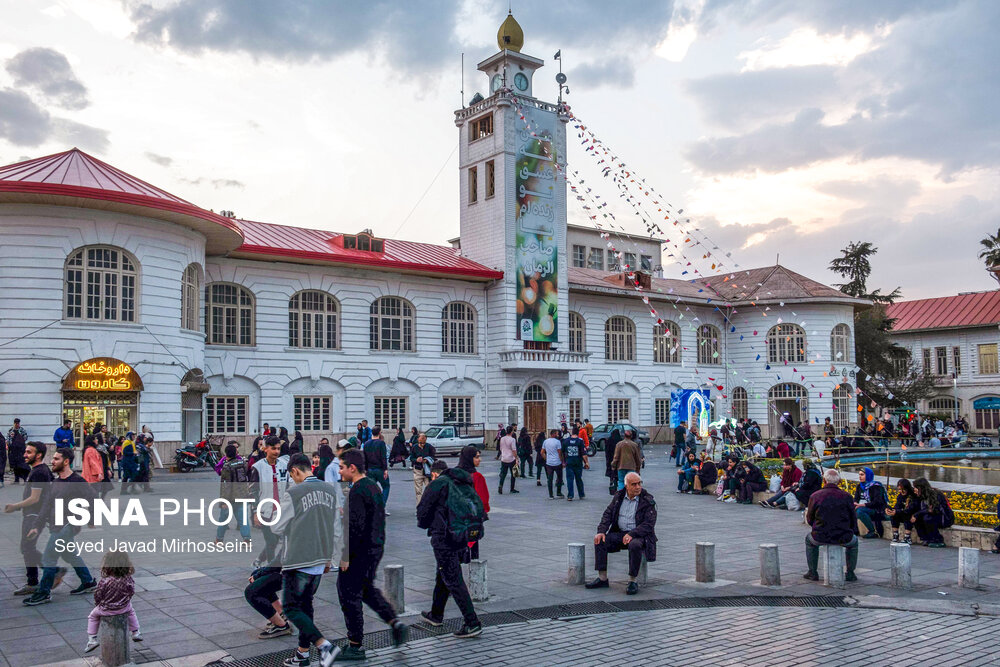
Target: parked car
x=603, y=431
x=451, y=438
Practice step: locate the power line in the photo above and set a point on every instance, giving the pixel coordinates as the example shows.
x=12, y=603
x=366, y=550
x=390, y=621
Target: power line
x=433, y=181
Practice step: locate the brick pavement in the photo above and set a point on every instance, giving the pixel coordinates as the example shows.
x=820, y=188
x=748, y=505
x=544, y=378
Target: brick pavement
x=187, y=608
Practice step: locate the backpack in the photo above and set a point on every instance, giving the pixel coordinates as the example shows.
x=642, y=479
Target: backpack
x=947, y=515
x=466, y=514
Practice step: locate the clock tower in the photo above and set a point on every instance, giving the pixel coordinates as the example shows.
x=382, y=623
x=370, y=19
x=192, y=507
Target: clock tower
x=513, y=218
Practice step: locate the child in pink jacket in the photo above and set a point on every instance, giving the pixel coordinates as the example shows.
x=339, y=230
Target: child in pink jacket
x=113, y=596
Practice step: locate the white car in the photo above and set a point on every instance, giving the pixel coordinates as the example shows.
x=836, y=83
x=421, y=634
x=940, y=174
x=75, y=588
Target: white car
x=451, y=439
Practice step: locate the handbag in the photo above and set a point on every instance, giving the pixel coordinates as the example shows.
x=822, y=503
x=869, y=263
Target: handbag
x=515, y=469
x=720, y=486
x=697, y=484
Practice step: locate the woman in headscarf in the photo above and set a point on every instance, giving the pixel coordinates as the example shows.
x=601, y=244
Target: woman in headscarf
x=708, y=474
x=326, y=457
x=399, y=452
x=93, y=467
x=296, y=445
x=751, y=482
x=283, y=437
x=524, y=452
x=468, y=460
x=934, y=514
x=870, y=501
x=905, y=507
x=129, y=463
x=145, y=460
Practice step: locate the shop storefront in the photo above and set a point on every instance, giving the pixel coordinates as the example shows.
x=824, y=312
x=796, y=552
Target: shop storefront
x=102, y=391
x=987, y=410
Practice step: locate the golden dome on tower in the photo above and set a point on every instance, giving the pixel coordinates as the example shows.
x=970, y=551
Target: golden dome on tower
x=510, y=36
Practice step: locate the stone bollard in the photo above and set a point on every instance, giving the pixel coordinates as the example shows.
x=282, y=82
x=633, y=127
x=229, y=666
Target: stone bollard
x=477, y=581
x=899, y=557
x=394, y=590
x=704, y=562
x=770, y=569
x=116, y=644
x=643, y=575
x=968, y=567
x=577, y=563
x=833, y=559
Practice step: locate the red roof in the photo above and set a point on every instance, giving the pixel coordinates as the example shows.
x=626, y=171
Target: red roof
x=946, y=312
x=75, y=178
x=310, y=245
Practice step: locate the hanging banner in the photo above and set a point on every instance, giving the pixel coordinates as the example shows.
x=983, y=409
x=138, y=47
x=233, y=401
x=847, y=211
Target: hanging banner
x=536, y=206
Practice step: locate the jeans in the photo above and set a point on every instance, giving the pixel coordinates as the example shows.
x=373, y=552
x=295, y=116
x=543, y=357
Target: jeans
x=504, y=468
x=449, y=581
x=262, y=593
x=574, y=473
x=29, y=550
x=679, y=453
x=812, y=553
x=556, y=471
x=379, y=476
x=270, y=544
x=621, y=478
x=871, y=519
x=357, y=585
x=778, y=498
x=613, y=544
x=685, y=477
x=297, y=603
x=526, y=464
x=241, y=514
x=50, y=558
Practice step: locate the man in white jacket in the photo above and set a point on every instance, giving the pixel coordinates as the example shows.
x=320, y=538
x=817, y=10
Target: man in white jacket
x=268, y=481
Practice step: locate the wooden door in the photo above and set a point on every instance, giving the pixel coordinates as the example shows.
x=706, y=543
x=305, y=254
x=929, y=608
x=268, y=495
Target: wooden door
x=535, y=416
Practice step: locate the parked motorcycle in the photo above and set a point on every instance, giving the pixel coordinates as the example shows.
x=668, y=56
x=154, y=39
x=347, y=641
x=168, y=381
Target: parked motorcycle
x=200, y=455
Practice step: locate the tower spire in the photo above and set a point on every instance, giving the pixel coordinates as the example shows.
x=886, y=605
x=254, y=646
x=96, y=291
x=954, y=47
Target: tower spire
x=510, y=37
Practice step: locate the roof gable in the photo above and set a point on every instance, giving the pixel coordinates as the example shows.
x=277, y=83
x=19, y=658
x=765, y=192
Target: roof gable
x=963, y=310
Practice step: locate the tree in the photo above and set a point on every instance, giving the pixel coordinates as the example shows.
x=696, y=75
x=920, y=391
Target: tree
x=990, y=254
x=855, y=265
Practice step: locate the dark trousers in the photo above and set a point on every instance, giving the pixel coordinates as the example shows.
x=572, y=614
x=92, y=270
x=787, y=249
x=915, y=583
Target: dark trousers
x=504, y=469
x=899, y=518
x=356, y=586
x=557, y=472
x=379, y=477
x=928, y=527
x=747, y=489
x=29, y=551
x=574, y=473
x=812, y=554
x=270, y=543
x=262, y=593
x=613, y=544
x=297, y=603
x=526, y=464
x=871, y=519
x=539, y=466
x=449, y=582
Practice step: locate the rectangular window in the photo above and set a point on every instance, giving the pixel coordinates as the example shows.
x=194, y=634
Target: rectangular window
x=473, y=185
x=312, y=413
x=956, y=361
x=579, y=256
x=613, y=263
x=927, y=361
x=987, y=420
x=596, y=259
x=457, y=409
x=390, y=412
x=941, y=356
x=575, y=410
x=988, y=359
x=226, y=414
x=661, y=411
x=646, y=263
x=491, y=178
x=630, y=260
x=618, y=410
x=481, y=127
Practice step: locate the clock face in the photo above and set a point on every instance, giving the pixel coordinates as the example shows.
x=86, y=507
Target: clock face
x=496, y=82
x=521, y=81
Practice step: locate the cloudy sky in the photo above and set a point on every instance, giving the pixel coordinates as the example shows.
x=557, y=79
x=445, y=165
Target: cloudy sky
x=788, y=127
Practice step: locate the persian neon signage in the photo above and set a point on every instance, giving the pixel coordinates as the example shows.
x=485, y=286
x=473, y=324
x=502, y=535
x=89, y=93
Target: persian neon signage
x=103, y=375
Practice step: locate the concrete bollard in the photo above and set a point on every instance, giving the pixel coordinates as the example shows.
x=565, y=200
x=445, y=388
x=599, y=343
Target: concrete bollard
x=704, y=562
x=968, y=567
x=477, y=581
x=899, y=557
x=770, y=569
x=643, y=575
x=116, y=644
x=577, y=570
x=394, y=589
x=833, y=558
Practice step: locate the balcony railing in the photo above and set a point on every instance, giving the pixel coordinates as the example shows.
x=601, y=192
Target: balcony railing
x=510, y=359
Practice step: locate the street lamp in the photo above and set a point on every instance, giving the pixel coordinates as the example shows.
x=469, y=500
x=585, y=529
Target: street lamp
x=954, y=384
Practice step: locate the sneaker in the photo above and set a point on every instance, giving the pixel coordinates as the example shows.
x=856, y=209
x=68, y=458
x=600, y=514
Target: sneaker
x=137, y=636
x=895, y=538
x=582, y=496
x=811, y=576
x=514, y=491
x=870, y=536
x=83, y=589
x=469, y=631
x=387, y=513
x=632, y=588
x=352, y=652
x=570, y=499
x=92, y=643
x=907, y=540
x=296, y=660
x=430, y=620
x=400, y=633
x=273, y=630
x=936, y=545
x=559, y=495
x=598, y=583
x=500, y=490
x=764, y=504
x=37, y=599
x=538, y=483
x=328, y=654
x=730, y=500
x=850, y=576
x=27, y=589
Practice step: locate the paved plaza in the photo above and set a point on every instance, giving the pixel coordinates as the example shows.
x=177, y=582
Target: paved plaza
x=189, y=610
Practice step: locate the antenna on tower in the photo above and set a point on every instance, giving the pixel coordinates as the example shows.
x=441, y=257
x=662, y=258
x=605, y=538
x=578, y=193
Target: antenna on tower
x=560, y=77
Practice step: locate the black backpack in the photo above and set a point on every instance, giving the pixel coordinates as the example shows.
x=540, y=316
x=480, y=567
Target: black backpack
x=947, y=514
x=466, y=514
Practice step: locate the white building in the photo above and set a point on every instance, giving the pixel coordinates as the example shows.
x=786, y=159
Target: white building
x=954, y=339
x=122, y=304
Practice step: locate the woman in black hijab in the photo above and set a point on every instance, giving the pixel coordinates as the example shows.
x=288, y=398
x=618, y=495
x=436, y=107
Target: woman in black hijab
x=468, y=460
x=398, y=453
x=325, y=459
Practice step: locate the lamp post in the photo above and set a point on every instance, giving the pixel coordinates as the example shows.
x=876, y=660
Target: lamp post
x=954, y=385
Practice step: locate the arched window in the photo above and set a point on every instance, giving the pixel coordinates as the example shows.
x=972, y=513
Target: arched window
x=619, y=339
x=391, y=324
x=458, y=328
x=708, y=345
x=840, y=344
x=666, y=343
x=229, y=314
x=843, y=411
x=312, y=320
x=787, y=403
x=190, y=290
x=741, y=403
x=577, y=333
x=944, y=406
x=786, y=342
x=534, y=393
x=101, y=284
